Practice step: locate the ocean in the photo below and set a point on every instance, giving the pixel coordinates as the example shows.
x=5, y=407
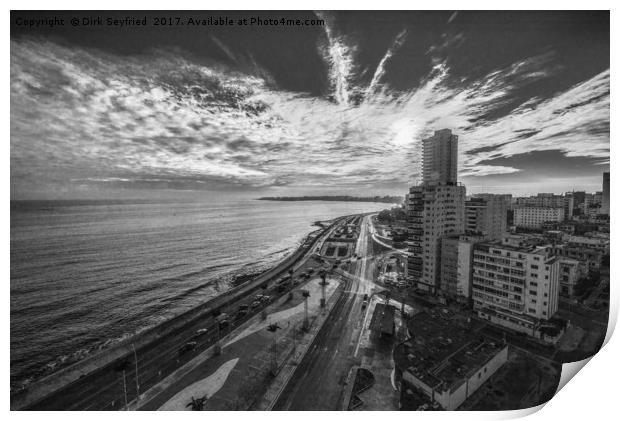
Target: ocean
x=85, y=274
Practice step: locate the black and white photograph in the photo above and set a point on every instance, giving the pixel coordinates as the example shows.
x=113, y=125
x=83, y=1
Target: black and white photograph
x=297, y=210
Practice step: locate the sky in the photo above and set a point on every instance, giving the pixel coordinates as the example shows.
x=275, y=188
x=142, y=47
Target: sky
x=339, y=108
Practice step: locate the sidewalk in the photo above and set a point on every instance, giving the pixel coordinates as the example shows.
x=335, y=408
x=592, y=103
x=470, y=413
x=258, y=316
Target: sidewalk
x=286, y=371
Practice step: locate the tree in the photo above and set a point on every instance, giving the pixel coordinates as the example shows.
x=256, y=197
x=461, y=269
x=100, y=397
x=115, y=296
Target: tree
x=197, y=404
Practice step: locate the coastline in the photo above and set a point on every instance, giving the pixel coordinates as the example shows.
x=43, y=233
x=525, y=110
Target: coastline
x=63, y=377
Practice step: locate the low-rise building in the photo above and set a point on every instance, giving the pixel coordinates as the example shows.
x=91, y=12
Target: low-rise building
x=571, y=271
x=443, y=362
x=591, y=258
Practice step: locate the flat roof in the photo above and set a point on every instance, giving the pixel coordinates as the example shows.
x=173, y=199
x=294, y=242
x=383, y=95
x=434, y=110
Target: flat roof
x=443, y=351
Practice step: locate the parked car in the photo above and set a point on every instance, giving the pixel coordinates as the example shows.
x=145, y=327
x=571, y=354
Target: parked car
x=255, y=304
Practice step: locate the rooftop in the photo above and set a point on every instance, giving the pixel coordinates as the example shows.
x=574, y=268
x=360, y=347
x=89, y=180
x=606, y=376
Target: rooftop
x=443, y=351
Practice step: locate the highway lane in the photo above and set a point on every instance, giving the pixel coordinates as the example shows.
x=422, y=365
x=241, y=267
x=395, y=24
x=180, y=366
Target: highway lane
x=103, y=389
x=331, y=356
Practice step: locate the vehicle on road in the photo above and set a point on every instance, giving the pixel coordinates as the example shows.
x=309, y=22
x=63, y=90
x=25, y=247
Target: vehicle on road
x=255, y=305
x=365, y=302
x=201, y=332
x=189, y=346
x=222, y=320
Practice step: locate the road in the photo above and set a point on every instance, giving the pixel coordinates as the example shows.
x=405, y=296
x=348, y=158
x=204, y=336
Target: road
x=104, y=388
x=336, y=347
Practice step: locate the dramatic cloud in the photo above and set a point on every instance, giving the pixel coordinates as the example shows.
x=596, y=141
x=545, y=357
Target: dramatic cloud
x=164, y=120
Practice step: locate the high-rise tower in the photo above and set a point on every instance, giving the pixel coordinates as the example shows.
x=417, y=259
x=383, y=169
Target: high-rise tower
x=605, y=204
x=435, y=209
x=439, y=158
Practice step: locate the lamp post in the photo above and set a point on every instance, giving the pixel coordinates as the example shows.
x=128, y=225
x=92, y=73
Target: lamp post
x=273, y=328
x=323, y=285
x=305, y=294
x=135, y=356
x=122, y=368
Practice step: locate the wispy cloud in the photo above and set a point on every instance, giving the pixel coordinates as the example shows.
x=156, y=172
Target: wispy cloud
x=339, y=57
x=399, y=40
x=162, y=118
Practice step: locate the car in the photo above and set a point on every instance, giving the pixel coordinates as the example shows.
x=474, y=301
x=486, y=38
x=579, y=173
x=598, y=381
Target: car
x=241, y=314
x=365, y=297
x=201, y=332
x=189, y=346
x=255, y=304
x=265, y=298
x=244, y=307
x=222, y=320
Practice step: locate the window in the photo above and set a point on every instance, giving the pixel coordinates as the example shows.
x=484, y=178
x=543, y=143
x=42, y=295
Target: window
x=534, y=266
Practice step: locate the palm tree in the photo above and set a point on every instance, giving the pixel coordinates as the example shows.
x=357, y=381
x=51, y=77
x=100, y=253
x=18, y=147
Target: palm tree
x=197, y=404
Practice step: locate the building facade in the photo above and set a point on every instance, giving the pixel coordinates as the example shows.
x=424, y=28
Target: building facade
x=456, y=269
x=487, y=216
x=515, y=287
x=435, y=208
x=535, y=217
x=435, y=211
x=605, y=204
x=439, y=158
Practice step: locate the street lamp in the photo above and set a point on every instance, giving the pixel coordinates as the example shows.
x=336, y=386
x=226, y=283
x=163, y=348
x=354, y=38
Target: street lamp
x=273, y=328
x=122, y=368
x=323, y=285
x=135, y=356
x=305, y=294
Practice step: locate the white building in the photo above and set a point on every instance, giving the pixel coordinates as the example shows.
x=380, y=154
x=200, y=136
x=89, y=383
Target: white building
x=534, y=217
x=515, y=287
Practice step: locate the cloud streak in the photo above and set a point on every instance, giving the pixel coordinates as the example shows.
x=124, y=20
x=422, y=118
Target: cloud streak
x=84, y=116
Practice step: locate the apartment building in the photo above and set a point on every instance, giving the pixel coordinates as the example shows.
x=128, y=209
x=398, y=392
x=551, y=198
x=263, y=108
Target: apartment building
x=515, y=286
x=487, y=216
x=434, y=212
x=535, y=217
x=435, y=208
x=456, y=270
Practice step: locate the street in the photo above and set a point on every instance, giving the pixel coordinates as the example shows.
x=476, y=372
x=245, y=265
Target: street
x=327, y=364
